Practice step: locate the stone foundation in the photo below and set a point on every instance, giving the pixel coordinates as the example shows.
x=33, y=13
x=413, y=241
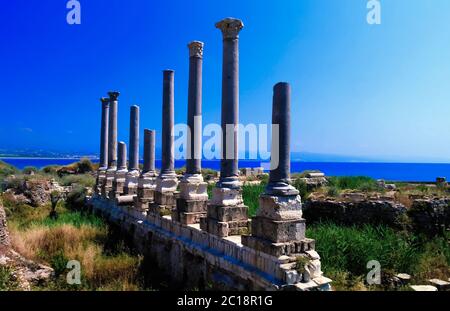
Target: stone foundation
x=191, y=258
x=131, y=183
x=108, y=183
x=163, y=203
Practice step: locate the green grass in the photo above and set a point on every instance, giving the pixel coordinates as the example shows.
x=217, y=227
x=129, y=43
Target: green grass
x=362, y=183
x=345, y=252
x=251, y=194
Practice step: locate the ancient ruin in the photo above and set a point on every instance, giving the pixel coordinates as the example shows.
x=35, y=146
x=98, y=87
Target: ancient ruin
x=193, y=239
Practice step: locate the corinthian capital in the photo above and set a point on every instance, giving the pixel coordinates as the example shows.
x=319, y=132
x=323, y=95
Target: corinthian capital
x=230, y=27
x=104, y=100
x=113, y=95
x=195, y=49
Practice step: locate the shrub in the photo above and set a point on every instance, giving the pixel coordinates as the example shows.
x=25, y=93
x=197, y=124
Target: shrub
x=7, y=281
x=51, y=169
x=85, y=180
x=30, y=170
x=76, y=198
x=84, y=166
x=302, y=187
x=7, y=169
x=333, y=191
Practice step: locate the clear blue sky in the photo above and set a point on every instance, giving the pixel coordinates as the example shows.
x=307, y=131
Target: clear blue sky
x=378, y=91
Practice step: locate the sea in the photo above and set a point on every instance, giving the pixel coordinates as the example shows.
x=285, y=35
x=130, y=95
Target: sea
x=410, y=172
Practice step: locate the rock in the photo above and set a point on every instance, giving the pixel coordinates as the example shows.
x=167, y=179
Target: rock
x=390, y=186
x=404, y=278
x=423, y=288
x=440, y=284
x=4, y=234
x=430, y=216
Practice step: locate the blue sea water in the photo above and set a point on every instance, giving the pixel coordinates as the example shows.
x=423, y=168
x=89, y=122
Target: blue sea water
x=388, y=171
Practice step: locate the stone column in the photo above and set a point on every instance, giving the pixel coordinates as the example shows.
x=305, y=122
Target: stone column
x=229, y=174
x=167, y=181
x=121, y=172
x=112, y=143
x=147, y=180
x=227, y=215
x=192, y=203
x=133, y=164
x=278, y=228
x=103, y=163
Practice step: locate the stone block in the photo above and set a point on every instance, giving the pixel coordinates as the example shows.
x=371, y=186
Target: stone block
x=280, y=207
x=191, y=206
x=278, y=231
x=193, y=189
x=291, y=248
x=227, y=197
x=224, y=229
x=227, y=213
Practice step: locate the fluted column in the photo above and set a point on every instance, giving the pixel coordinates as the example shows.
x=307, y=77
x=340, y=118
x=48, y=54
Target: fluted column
x=104, y=134
x=229, y=173
x=279, y=178
x=112, y=132
x=134, y=139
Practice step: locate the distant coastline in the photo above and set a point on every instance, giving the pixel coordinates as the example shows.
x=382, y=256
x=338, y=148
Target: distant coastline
x=407, y=172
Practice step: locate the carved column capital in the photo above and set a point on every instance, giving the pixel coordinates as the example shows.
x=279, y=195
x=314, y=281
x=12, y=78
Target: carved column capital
x=113, y=95
x=230, y=27
x=196, y=49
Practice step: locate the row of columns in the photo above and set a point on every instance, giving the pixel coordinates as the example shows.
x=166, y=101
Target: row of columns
x=279, y=219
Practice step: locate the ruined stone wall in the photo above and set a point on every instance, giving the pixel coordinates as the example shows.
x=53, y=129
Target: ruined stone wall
x=4, y=235
x=430, y=216
x=193, y=258
x=355, y=213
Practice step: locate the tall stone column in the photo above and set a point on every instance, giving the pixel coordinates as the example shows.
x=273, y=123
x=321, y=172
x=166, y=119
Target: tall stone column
x=121, y=172
x=133, y=164
x=147, y=180
x=227, y=215
x=167, y=181
x=229, y=174
x=112, y=143
x=278, y=228
x=192, y=203
x=103, y=164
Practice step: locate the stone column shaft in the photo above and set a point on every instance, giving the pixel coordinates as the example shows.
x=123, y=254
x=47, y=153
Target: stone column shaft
x=193, y=162
x=230, y=102
x=134, y=139
x=149, y=151
x=122, y=156
x=112, y=132
x=167, y=167
x=279, y=178
x=104, y=134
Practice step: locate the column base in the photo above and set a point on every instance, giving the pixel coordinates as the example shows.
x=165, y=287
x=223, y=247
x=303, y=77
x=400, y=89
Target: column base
x=226, y=215
x=131, y=182
x=291, y=248
x=189, y=211
x=225, y=228
x=163, y=203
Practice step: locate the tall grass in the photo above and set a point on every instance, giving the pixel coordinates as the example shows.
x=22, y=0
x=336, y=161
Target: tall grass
x=362, y=183
x=345, y=252
x=251, y=195
x=75, y=236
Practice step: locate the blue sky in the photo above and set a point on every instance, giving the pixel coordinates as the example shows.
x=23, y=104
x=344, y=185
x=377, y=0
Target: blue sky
x=376, y=91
